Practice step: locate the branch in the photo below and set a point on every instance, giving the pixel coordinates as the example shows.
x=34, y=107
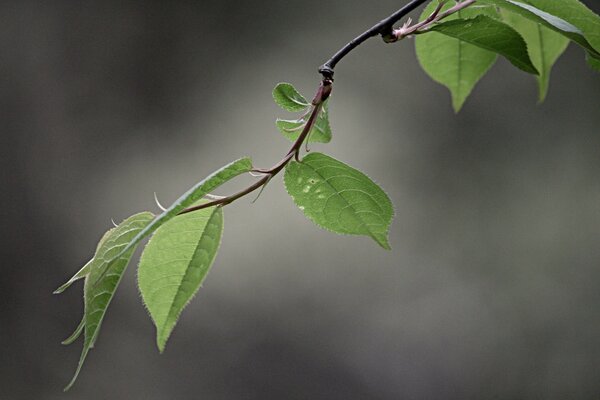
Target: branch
x=383, y=28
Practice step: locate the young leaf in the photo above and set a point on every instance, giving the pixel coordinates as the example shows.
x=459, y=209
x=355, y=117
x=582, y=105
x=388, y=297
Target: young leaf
x=174, y=264
x=544, y=46
x=320, y=133
x=97, y=296
x=339, y=198
x=193, y=195
x=570, y=18
x=492, y=35
x=453, y=63
x=288, y=98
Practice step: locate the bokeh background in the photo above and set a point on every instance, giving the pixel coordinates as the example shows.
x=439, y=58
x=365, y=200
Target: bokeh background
x=490, y=291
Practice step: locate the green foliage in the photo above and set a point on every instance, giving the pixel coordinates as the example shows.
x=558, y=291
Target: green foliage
x=288, y=98
x=454, y=63
x=569, y=18
x=339, y=198
x=490, y=34
x=320, y=133
x=103, y=276
x=85, y=270
x=545, y=26
x=195, y=194
x=544, y=46
x=174, y=264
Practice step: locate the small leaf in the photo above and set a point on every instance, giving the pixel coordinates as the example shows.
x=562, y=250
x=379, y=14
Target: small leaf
x=290, y=128
x=193, y=195
x=492, y=35
x=97, y=296
x=543, y=44
x=288, y=98
x=174, y=264
x=453, y=63
x=320, y=133
x=339, y=198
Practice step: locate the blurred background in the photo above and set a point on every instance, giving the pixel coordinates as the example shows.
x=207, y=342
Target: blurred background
x=490, y=291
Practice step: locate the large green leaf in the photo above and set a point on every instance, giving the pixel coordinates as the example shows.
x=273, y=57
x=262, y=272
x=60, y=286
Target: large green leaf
x=339, y=198
x=103, y=277
x=490, y=34
x=570, y=18
x=174, y=264
x=543, y=44
x=453, y=63
x=320, y=133
x=576, y=13
x=288, y=98
x=193, y=195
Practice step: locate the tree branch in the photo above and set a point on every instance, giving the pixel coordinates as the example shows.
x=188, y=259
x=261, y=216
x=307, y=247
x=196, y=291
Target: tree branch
x=383, y=28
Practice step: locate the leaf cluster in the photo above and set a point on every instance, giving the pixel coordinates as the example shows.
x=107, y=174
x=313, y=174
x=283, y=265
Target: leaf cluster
x=531, y=34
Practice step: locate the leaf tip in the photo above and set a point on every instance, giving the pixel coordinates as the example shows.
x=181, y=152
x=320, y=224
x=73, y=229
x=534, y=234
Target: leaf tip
x=60, y=289
x=383, y=241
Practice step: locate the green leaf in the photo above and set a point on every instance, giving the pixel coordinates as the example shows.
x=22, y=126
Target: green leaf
x=570, y=18
x=492, y=35
x=193, y=195
x=85, y=270
x=339, y=198
x=574, y=12
x=174, y=264
x=320, y=133
x=290, y=128
x=288, y=98
x=453, y=63
x=97, y=296
x=543, y=44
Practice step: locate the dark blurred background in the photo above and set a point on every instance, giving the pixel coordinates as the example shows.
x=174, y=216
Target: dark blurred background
x=490, y=291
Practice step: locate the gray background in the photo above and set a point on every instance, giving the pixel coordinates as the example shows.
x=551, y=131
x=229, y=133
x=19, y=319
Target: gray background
x=490, y=291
